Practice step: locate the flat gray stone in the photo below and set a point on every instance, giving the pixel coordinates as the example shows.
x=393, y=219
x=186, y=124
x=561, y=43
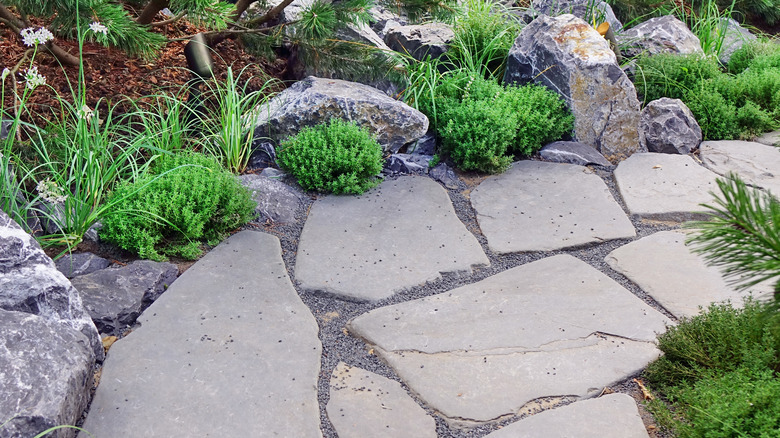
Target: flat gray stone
x=757, y=164
x=554, y=327
x=664, y=267
x=399, y=235
x=610, y=416
x=770, y=138
x=228, y=350
x=564, y=204
x=572, y=152
x=45, y=375
x=364, y=404
x=73, y=265
x=664, y=187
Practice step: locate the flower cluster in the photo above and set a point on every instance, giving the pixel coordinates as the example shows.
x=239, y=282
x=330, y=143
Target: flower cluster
x=50, y=191
x=33, y=78
x=32, y=37
x=97, y=27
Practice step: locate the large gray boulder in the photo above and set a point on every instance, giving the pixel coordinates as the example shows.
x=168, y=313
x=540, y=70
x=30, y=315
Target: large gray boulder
x=569, y=57
x=30, y=283
x=419, y=41
x=45, y=375
x=276, y=201
x=734, y=36
x=669, y=127
x=313, y=101
x=585, y=9
x=657, y=35
x=116, y=297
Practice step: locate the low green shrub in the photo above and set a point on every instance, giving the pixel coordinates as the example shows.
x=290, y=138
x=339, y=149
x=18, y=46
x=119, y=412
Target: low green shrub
x=726, y=106
x=183, y=201
x=719, y=340
x=338, y=157
x=482, y=122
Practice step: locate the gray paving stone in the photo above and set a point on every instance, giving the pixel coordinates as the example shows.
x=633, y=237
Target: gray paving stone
x=398, y=235
x=564, y=204
x=770, y=138
x=757, y=164
x=610, y=416
x=664, y=267
x=554, y=327
x=363, y=404
x=664, y=186
x=229, y=350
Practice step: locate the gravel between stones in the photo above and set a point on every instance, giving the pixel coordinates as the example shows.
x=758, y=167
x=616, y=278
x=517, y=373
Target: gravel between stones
x=332, y=314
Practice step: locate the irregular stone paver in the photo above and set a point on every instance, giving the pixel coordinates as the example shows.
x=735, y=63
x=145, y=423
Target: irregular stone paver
x=770, y=138
x=757, y=164
x=364, y=404
x=610, y=416
x=565, y=205
x=664, y=267
x=399, y=235
x=664, y=186
x=554, y=327
x=228, y=350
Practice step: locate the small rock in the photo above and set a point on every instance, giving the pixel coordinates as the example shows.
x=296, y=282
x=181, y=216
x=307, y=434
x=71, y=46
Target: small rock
x=73, y=265
x=572, y=152
x=405, y=164
x=5, y=127
x=276, y=201
x=425, y=145
x=263, y=156
x=669, y=127
x=116, y=297
x=419, y=41
x=442, y=173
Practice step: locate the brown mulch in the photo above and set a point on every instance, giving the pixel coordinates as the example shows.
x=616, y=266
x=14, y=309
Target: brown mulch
x=111, y=75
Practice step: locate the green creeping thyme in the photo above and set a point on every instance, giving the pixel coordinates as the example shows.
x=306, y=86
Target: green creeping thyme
x=338, y=157
x=183, y=201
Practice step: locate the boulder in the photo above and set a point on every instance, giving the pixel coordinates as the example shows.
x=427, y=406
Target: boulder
x=380, y=15
x=313, y=101
x=570, y=57
x=669, y=127
x=46, y=375
x=734, y=37
x=572, y=152
x=116, y=297
x=73, y=265
x=419, y=41
x=657, y=35
x=276, y=201
x=30, y=283
x=585, y=9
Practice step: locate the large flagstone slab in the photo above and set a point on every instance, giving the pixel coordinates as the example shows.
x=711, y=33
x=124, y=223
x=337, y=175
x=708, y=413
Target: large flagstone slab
x=664, y=267
x=229, y=350
x=664, y=186
x=538, y=206
x=554, y=327
x=757, y=164
x=610, y=416
x=399, y=235
x=363, y=404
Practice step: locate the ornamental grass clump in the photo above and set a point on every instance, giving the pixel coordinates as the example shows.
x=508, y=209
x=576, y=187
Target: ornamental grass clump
x=184, y=200
x=338, y=157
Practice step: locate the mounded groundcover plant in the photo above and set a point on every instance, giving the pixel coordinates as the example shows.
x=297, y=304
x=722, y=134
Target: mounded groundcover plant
x=184, y=200
x=337, y=157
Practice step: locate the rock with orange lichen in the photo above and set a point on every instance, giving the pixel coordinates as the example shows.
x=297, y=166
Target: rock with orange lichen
x=570, y=57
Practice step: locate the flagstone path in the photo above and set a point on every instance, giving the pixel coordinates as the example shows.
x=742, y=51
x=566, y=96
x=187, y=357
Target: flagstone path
x=393, y=315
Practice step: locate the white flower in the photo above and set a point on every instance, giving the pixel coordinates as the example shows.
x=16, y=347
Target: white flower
x=86, y=112
x=5, y=74
x=33, y=78
x=32, y=37
x=97, y=27
x=50, y=192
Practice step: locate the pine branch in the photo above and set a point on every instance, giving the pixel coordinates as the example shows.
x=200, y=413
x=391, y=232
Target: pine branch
x=742, y=235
